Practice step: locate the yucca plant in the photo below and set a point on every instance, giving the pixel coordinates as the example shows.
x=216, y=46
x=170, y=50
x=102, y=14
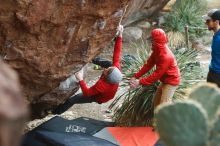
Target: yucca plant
x=134, y=107
x=185, y=12
x=175, y=39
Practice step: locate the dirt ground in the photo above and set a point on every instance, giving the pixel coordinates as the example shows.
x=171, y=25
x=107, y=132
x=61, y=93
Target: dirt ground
x=214, y=3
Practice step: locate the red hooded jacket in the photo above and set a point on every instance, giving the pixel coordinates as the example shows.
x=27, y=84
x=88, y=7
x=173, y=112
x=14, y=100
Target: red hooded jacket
x=102, y=90
x=166, y=66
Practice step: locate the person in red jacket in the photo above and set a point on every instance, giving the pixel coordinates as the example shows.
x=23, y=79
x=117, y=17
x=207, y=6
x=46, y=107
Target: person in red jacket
x=105, y=88
x=167, y=71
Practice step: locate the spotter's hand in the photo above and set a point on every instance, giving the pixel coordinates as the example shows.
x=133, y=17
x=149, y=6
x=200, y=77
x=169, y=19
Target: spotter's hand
x=134, y=83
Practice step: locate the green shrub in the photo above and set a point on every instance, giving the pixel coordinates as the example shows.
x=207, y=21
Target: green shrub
x=186, y=12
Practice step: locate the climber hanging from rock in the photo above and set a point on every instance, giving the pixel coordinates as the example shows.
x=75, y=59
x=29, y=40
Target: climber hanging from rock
x=106, y=87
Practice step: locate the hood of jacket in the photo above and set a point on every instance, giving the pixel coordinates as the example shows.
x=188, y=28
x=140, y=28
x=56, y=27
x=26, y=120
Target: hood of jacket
x=159, y=40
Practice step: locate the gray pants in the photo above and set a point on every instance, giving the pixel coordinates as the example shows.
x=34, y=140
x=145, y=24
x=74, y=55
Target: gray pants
x=77, y=99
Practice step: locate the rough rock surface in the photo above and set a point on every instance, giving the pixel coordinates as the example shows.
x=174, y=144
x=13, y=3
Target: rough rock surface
x=46, y=41
x=141, y=9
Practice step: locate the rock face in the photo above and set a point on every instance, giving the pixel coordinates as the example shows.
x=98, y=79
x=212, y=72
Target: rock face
x=46, y=41
x=142, y=9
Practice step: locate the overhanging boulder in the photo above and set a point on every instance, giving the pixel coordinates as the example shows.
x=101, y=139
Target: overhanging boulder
x=46, y=41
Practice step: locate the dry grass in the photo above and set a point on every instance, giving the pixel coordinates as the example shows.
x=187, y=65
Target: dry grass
x=175, y=39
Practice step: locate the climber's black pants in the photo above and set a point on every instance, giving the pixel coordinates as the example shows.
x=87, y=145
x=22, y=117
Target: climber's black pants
x=77, y=99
